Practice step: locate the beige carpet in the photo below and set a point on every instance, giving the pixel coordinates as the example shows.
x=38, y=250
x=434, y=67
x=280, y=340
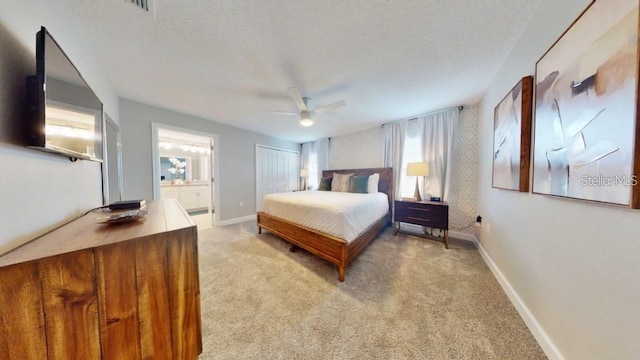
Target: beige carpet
x=203, y=221
x=404, y=298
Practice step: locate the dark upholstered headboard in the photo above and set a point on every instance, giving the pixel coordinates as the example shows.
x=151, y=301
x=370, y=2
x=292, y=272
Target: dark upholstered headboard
x=385, y=184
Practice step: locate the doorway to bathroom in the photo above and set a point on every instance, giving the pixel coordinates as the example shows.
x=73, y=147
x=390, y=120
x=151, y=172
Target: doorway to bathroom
x=185, y=169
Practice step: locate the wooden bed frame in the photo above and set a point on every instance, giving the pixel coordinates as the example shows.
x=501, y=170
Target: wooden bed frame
x=333, y=249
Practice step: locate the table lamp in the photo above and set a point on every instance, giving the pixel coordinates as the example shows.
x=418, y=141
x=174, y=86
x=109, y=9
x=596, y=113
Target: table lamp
x=417, y=169
x=304, y=174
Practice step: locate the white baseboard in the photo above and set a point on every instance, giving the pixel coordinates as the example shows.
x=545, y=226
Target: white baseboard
x=463, y=236
x=458, y=235
x=545, y=342
x=237, y=220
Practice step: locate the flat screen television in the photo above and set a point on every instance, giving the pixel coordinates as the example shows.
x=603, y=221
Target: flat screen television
x=64, y=116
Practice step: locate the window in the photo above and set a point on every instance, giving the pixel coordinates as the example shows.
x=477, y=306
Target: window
x=412, y=153
x=427, y=139
x=313, y=157
x=312, y=180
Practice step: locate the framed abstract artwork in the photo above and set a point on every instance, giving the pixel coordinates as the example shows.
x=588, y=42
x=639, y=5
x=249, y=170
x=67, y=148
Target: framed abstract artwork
x=585, y=108
x=512, y=138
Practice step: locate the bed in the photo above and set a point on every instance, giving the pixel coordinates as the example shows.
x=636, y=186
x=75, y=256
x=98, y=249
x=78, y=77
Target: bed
x=321, y=237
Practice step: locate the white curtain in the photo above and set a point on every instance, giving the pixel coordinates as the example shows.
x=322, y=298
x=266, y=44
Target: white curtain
x=314, y=157
x=437, y=140
x=322, y=153
x=425, y=138
x=305, y=154
x=394, y=137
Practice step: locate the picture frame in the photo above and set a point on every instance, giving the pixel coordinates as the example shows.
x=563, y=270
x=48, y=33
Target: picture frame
x=586, y=96
x=512, y=138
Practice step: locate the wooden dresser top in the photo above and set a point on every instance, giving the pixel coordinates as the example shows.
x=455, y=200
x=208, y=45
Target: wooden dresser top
x=84, y=233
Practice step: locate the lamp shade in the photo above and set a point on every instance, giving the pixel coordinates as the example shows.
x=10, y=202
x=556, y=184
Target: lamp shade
x=304, y=173
x=417, y=169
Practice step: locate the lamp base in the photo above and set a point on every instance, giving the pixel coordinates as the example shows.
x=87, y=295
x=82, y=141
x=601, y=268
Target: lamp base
x=416, y=195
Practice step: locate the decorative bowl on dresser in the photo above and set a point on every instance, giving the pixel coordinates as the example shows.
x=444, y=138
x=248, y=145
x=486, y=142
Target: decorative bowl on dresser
x=433, y=214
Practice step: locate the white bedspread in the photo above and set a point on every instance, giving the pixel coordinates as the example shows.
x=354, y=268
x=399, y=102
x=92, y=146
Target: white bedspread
x=341, y=214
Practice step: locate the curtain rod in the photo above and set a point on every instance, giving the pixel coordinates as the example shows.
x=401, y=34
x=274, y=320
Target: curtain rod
x=309, y=142
x=460, y=107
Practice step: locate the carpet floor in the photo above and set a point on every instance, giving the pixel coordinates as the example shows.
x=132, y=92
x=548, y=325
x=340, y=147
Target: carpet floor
x=404, y=297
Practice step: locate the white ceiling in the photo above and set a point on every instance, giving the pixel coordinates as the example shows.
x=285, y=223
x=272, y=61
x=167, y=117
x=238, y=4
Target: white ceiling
x=232, y=60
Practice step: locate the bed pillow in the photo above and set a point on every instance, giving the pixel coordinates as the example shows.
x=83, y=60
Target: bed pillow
x=340, y=182
x=325, y=184
x=373, y=183
x=359, y=184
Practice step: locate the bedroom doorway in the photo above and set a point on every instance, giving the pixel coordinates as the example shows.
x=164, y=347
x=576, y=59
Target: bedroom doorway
x=277, y=170
x=112, y=164
x=184, y=168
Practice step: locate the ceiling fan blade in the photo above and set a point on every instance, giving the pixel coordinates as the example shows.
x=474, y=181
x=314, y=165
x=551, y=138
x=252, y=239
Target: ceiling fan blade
x=297, y=98
x=282, y=112
x=329, y=107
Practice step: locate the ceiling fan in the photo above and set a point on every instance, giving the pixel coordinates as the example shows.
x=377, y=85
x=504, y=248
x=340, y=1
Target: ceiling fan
x=306, y=114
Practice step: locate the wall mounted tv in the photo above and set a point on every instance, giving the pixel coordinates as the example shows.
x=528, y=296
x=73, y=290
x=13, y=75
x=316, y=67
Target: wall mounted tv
x=63, y=116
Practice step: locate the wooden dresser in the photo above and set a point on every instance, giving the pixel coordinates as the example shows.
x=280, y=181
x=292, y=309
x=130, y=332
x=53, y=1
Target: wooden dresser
x=425, y=213
x=96, y=291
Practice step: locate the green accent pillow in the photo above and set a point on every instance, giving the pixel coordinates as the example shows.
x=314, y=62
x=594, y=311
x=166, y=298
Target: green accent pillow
x=325, y=184
x=359, y=184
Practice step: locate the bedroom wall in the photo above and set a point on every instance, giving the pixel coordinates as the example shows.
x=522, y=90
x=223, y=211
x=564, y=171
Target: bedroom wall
x=236, y=155
x=571, y=267
x=365, y=149
x=40, y=191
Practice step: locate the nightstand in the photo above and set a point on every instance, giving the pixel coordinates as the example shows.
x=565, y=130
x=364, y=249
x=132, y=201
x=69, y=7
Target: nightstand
x=425, y=213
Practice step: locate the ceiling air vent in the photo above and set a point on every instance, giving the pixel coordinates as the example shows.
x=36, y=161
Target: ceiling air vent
x=142, y=4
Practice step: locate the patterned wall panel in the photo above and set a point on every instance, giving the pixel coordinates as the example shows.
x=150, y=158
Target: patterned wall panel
x=363, y=149
x=464, y=187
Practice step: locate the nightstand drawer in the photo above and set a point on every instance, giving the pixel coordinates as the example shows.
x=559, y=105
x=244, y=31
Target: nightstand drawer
x=424, y=213
x=429, y=214
x=421, y=209
x=435, y=222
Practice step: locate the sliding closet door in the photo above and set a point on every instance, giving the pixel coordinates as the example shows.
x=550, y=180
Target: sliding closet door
x=276, y=171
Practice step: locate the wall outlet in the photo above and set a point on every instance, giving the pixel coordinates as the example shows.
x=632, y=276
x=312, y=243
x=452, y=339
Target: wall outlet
x=241, y=203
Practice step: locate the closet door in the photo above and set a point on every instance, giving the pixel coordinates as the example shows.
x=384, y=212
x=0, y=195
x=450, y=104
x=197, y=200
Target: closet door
x=276, y=171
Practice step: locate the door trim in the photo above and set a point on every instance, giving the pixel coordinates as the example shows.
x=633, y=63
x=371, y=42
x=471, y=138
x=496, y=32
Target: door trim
x=105, y=164
x=155, y=155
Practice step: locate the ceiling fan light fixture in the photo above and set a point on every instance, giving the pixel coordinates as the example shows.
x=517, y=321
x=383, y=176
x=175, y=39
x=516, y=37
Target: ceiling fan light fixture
x=305, y=119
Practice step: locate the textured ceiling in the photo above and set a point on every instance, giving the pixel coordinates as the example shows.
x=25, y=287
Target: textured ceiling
x=232, y=60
